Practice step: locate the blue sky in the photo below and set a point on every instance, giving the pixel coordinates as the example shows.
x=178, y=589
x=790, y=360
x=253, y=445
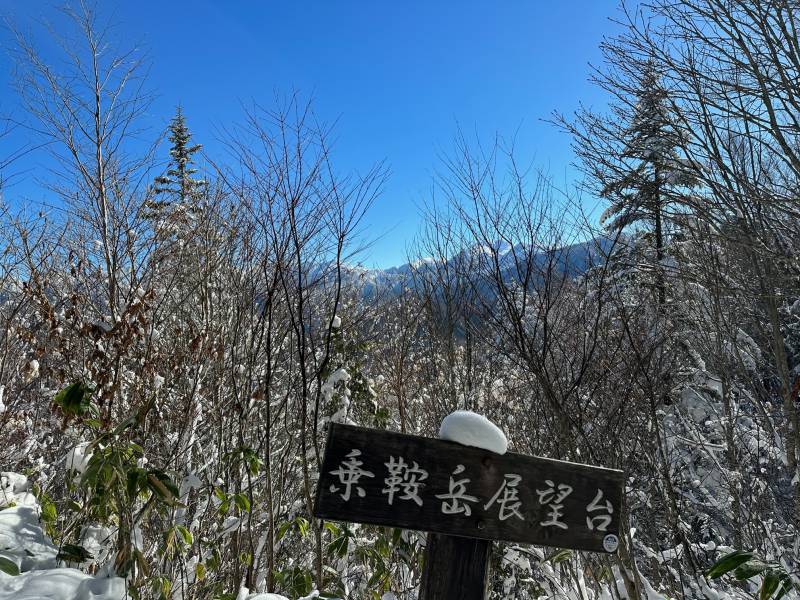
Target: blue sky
x=399, y=78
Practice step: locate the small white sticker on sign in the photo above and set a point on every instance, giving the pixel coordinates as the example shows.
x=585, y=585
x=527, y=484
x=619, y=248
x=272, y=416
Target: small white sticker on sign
x=610, y=542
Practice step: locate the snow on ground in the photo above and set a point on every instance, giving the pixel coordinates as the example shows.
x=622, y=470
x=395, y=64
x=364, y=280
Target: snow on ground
x=60, y=584
x=23, y=542
x=244, y=594
x=266, y=596
x=471, y=429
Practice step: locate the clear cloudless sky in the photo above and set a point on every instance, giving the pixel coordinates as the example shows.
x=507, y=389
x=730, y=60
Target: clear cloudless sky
x=399, y=77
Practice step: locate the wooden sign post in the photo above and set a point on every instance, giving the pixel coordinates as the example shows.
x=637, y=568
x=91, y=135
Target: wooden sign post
x=465, y=497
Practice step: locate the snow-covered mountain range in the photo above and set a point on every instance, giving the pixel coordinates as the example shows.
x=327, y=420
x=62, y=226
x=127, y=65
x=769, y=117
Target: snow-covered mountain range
x=573, y=259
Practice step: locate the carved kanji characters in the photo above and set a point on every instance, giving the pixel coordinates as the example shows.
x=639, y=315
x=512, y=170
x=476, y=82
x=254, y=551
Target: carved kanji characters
x=602, y=520
x=553, y=496
x=507, y=497
x=457, y=494
x=349, y=473
x=405, y=479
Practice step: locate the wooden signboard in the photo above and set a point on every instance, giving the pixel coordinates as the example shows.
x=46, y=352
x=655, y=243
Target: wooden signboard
x=411, y=482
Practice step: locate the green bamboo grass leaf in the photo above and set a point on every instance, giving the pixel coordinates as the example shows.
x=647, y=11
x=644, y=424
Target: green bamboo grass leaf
x=770, y=584
x=75, y=399
x=728, y=563
x=74, y=553
x=8, y=567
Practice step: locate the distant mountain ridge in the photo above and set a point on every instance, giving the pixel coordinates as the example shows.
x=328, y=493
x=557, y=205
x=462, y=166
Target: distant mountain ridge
x=573, y=259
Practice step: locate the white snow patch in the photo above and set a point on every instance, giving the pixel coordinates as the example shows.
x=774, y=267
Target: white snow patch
x=336, y=322
x=471, y=429
x=14, y=489
x=21, y=537
x=23, y=542
x=340, y=375
x=97, y=540
x=31, y=370
x=244, y=594
x=60, y=584
x=230, y=524
x=78, y=458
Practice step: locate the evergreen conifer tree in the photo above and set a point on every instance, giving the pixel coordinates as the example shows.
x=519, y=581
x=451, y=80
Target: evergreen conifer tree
x=180, y=215
x=651, y=153
x=650, y=175
x=177, y=191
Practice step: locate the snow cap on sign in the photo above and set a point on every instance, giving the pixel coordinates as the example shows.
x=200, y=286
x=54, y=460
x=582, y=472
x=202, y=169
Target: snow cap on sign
x=471, y=429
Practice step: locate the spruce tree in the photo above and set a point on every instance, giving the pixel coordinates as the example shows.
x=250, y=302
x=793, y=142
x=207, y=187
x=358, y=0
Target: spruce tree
x=650, y=175
x=179, y=213
x=177, y=191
